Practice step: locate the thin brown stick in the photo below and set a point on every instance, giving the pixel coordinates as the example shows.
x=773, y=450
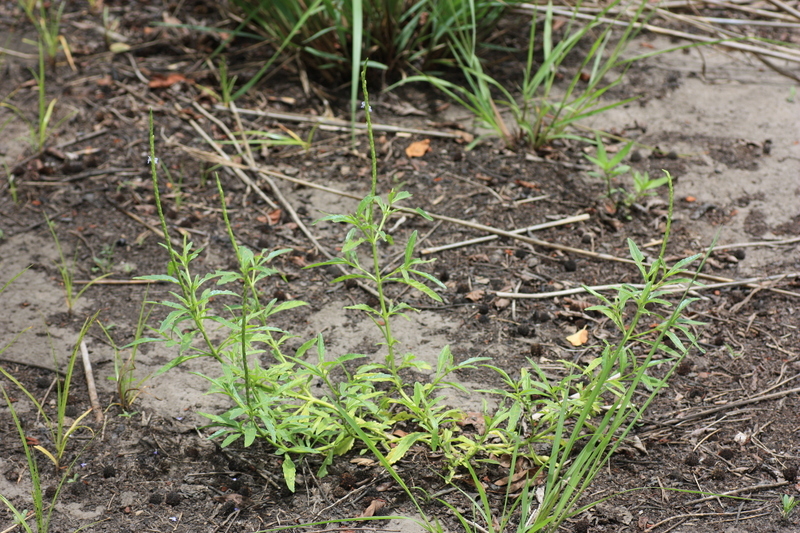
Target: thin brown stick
x=147, y=225
x=732, y=405
x=87, y=369
x=236, y=169
x=678, y=287
x=115, y=281
x=788, y=56
x=469, y=242
x=345, y=124
x=697, y=515
x=751, y=488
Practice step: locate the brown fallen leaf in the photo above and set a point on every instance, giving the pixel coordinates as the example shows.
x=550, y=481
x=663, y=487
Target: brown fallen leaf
x=579, y=338
x=160, y=81
x=363, y=461
x=375, y=505
x=475, y=295
x=419, y=148
x=474, y=419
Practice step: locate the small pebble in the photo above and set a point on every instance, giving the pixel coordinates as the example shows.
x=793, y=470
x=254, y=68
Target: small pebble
x=155, y=498
x=109, y=471
x=570, y=265
x=738, y=254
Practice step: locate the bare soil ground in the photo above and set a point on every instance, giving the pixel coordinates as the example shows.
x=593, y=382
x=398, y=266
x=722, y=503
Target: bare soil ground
x=724, y=128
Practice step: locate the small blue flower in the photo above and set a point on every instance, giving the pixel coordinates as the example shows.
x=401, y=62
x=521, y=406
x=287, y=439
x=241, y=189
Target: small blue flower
x=83, y=465
x=173, y=518
x=150, y=161
x=364, y=104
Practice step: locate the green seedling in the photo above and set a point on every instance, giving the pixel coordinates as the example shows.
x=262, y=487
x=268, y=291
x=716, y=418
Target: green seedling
x=65, y=269
x=788, y=503
x=48, y=25
x=12, y=182
x=610, y=168
x=40, y=130
x=57, y=427
x=643, y=186
x=128, y=386
x=271, y=138
x=226, y=83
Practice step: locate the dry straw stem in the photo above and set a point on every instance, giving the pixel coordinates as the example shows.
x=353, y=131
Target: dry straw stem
x=678, y=287
x=477, y=240
x=344, y=125
x=87, y=369
x=212, y=158
x=712, y=27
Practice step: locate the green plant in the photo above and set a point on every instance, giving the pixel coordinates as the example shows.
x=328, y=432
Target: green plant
x=332, y=36
x=226, y=82
x=788, y=503
x=583, y=443
x=47, y=23
x=610, y=168
x=128, y=386
x=65, y=270
x=57, y=426
x=12, y=182
x=643, y=186
x=541, y=113
x=271, y=138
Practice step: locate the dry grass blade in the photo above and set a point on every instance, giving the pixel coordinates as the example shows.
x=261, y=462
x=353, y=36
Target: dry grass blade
x=712, y=27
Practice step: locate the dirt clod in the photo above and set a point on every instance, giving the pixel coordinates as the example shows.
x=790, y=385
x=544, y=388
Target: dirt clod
x=173, y=498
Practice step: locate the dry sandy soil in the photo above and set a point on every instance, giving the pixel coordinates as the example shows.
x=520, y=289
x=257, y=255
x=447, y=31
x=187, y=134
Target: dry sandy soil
x=723, y=125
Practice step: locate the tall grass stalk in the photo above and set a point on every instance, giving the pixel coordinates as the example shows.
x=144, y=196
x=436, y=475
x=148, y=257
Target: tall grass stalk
x=583, y=445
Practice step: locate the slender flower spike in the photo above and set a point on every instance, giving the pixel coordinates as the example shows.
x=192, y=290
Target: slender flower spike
x=364, y=104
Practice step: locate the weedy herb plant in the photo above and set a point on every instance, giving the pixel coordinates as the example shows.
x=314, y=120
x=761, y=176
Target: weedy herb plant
x=273, y=394
x=60, y=435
